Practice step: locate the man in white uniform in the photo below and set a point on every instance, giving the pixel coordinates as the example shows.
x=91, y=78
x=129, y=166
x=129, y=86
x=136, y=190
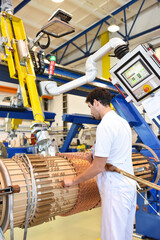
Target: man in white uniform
x=113, y=145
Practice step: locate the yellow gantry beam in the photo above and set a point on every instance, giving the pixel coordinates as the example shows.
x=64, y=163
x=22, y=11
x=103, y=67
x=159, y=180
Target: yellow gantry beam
x=13, y=31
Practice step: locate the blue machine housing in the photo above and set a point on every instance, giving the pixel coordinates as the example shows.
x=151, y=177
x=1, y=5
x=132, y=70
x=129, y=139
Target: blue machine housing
x=77, y=124
x=11, y=151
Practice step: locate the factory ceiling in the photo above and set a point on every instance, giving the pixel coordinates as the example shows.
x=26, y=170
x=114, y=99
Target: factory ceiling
x=129, y=15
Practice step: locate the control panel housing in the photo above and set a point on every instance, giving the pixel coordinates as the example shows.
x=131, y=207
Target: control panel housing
x=138, y=73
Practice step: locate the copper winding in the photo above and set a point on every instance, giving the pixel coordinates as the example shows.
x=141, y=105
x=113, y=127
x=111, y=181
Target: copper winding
x=80, y=155
x=49, y=199
x=143, y=168
x=88, y=195
x=155, y=158
x=141, y=164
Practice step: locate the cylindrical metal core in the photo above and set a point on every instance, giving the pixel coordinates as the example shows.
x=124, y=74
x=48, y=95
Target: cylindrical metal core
x=41, y=195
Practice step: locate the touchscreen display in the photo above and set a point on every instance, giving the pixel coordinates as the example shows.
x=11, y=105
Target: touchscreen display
x=136, y=73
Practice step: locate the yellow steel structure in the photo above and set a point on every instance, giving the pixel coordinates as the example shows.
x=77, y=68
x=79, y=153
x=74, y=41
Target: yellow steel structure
x=12, y=30
x=106, y=59
x=16, y=122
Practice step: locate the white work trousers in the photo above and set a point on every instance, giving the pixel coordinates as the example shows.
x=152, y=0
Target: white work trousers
x=118, y=206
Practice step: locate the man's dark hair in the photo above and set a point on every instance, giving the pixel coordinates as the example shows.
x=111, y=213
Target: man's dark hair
x=100, y=94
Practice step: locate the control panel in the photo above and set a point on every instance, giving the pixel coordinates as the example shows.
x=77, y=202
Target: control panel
x=138, y=73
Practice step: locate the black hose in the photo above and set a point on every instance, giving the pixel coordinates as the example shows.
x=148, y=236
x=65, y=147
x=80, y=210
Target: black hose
x=121, y=51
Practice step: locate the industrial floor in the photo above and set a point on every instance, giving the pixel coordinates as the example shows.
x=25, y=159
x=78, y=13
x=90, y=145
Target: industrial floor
x=81, y=226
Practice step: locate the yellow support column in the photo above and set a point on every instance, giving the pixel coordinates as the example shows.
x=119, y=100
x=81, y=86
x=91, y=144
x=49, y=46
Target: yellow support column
x=106, y=59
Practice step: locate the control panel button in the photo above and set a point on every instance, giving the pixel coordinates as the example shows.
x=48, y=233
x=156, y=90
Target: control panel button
x=147, y=88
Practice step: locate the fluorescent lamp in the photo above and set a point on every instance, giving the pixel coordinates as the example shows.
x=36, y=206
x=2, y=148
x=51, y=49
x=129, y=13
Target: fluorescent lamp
x=57, y=1
x=113, y=28
x=57, y=28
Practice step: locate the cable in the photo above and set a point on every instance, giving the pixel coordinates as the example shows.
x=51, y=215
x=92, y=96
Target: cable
x=44, y=46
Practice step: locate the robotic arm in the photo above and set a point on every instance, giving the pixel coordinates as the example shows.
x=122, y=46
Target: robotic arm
x=50, y=87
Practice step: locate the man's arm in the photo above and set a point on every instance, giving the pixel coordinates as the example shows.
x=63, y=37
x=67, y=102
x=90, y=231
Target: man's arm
x=90, y=157
x=95, y=168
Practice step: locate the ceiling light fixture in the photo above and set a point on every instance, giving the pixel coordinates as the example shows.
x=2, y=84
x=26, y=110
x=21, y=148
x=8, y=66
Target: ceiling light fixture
x=57, y=1
x=113, y=28
x=58, y=26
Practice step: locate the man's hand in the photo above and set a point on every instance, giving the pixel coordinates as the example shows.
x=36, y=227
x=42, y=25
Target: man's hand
x=68, y=182
x=95, y=168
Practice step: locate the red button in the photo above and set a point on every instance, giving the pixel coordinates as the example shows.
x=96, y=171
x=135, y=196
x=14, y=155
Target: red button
x=146, y=89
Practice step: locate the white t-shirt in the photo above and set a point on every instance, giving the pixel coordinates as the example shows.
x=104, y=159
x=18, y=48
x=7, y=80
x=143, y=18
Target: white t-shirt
x=114, y=141
x=118, y=193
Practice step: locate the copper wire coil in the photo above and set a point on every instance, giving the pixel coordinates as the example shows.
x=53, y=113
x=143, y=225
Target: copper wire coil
x=143, y=168
x=88, y=195
x=141, y=164
x=77, y=155
x=47, y=197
